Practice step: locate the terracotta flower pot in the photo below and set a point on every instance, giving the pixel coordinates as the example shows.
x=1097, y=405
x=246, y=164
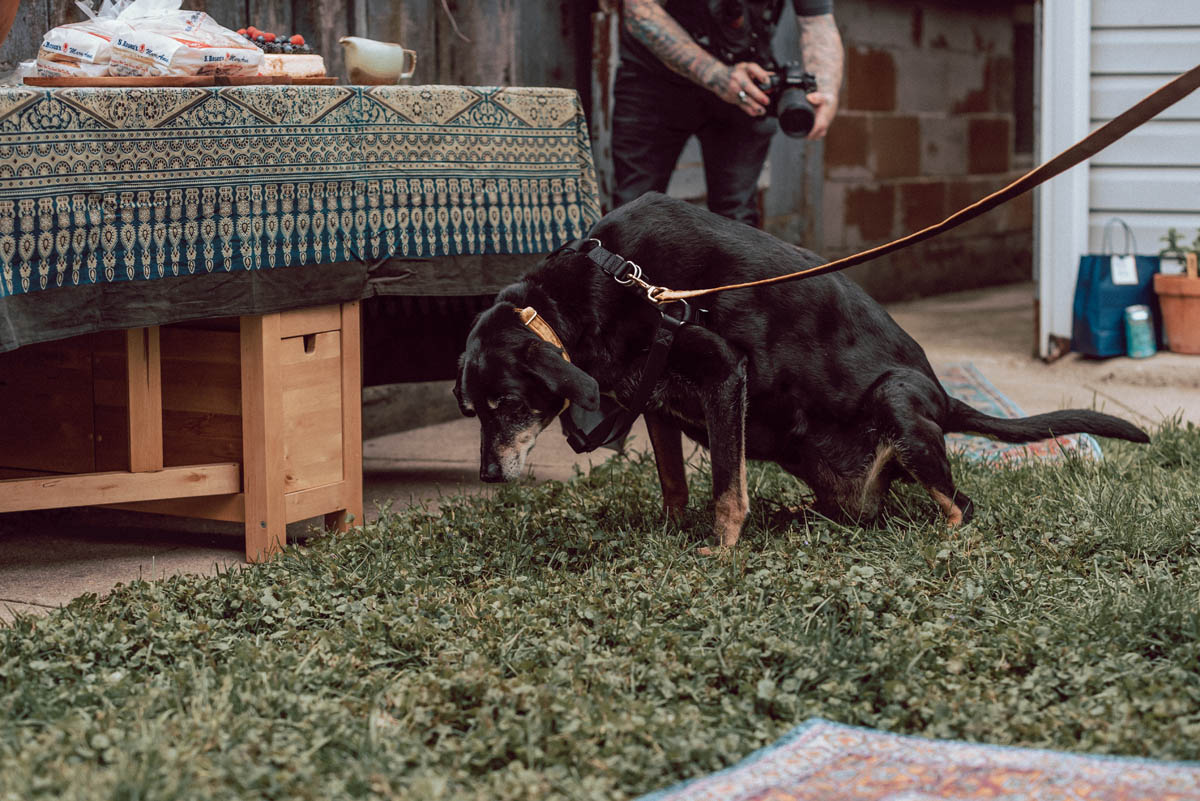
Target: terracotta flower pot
x=1179, y=301
x=8, y=15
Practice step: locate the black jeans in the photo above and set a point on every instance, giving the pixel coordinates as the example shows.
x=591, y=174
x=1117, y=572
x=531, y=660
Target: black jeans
x=652, y=120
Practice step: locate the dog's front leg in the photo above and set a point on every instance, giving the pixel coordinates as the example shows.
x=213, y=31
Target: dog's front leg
x=715, y=373
x=667, y=441
x=725, y=413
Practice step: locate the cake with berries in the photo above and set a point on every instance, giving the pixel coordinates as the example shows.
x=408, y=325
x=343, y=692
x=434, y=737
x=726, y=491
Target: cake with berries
x=285, y=55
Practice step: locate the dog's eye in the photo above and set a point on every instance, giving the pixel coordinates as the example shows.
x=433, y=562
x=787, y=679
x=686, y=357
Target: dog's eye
x=509, y=402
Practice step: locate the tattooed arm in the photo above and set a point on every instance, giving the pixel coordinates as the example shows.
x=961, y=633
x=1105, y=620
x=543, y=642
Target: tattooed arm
x=822, y=48
x=650, y=24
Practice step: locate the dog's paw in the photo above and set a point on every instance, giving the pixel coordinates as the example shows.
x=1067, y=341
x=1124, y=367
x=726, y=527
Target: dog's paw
x=966, y=506
x=719, y=551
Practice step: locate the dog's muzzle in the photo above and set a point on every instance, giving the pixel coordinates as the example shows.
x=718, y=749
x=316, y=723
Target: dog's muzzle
x=506, y=462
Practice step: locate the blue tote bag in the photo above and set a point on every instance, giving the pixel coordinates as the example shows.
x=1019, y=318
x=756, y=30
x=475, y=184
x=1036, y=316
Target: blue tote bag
x=1106, y=284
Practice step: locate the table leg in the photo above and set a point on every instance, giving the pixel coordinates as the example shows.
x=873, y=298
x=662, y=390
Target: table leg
x=351, y=421
x=262, y=437
x=144, y=372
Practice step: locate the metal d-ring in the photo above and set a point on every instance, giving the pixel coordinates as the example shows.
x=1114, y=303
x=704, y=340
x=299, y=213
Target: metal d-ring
x=634, y=276
x=631, y=274
x=686, y=317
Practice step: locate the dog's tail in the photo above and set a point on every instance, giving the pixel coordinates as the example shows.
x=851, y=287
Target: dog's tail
x=966, y=420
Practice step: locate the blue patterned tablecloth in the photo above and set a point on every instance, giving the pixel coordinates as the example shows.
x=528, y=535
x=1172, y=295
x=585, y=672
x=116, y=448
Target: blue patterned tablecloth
x=104, y=186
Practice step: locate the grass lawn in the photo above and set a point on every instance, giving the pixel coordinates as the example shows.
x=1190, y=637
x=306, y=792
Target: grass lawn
x=559, y=641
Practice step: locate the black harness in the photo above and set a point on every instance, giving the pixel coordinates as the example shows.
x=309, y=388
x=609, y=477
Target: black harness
x=586, y=431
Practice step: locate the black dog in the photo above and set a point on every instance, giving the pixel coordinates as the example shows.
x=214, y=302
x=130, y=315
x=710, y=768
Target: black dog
x=811, y=374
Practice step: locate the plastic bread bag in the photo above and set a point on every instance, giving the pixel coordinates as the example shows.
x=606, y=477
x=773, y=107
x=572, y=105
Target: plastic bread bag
x=165, y=40
x=82, y=48
x=16, y=77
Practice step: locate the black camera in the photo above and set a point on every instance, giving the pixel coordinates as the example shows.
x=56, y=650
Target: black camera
x=787, y=89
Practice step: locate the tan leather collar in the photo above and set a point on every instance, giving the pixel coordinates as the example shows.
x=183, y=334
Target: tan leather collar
x=539, y=326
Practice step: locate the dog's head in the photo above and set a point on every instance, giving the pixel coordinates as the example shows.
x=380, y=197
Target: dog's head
x=516, y=383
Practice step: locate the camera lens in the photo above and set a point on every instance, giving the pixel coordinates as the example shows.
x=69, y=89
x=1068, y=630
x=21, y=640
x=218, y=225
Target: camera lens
x=796, y=114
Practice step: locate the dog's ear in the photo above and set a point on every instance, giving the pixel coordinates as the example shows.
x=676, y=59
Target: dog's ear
x=563, y=378
x=464, y=405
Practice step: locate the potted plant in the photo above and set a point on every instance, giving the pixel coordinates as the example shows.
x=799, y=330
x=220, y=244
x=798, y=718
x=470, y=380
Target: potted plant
x=1179, y=297
x=1173, y=257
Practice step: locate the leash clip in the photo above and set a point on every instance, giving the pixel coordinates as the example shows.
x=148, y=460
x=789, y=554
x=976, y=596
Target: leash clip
x=629, y=273
x=653, y=293
x=632, y=274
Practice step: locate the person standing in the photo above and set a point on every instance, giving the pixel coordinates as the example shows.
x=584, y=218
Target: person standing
x=698, y=67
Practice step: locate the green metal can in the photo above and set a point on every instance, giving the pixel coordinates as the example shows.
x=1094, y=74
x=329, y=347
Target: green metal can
x=1139, y=332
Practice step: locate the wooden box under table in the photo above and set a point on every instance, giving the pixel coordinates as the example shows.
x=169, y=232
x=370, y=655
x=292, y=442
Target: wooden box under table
x=255, y=420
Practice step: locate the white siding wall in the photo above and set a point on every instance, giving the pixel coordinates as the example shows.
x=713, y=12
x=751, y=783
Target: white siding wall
x=1151, y=178
x=1098, y=58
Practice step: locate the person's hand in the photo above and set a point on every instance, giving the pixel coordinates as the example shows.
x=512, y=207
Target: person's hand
x=824, y=107
x=740, y=84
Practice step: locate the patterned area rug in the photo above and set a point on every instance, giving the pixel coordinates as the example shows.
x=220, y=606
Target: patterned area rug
x=965, y=382
x=824, y=761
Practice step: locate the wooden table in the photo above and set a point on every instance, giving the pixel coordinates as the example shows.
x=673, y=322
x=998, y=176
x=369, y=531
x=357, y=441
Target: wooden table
x=181, y=271
x=255, y=420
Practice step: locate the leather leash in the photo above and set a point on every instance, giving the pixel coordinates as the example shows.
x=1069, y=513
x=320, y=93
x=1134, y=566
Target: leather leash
x=1082, y=150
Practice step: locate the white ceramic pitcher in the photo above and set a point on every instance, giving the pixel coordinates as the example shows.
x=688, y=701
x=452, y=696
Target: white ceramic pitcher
x=372, y=62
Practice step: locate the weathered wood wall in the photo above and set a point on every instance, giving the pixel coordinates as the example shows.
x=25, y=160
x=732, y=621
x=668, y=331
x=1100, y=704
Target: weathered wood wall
x=511, y=42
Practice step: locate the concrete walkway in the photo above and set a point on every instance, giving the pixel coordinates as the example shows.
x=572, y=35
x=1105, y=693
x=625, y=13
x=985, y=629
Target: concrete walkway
x=48, y=558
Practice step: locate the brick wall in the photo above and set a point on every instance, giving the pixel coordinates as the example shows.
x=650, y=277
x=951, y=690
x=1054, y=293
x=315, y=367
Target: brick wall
x=926, y=126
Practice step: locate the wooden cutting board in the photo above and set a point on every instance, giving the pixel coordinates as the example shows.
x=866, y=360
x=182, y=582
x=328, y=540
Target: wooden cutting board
x=114, y=81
